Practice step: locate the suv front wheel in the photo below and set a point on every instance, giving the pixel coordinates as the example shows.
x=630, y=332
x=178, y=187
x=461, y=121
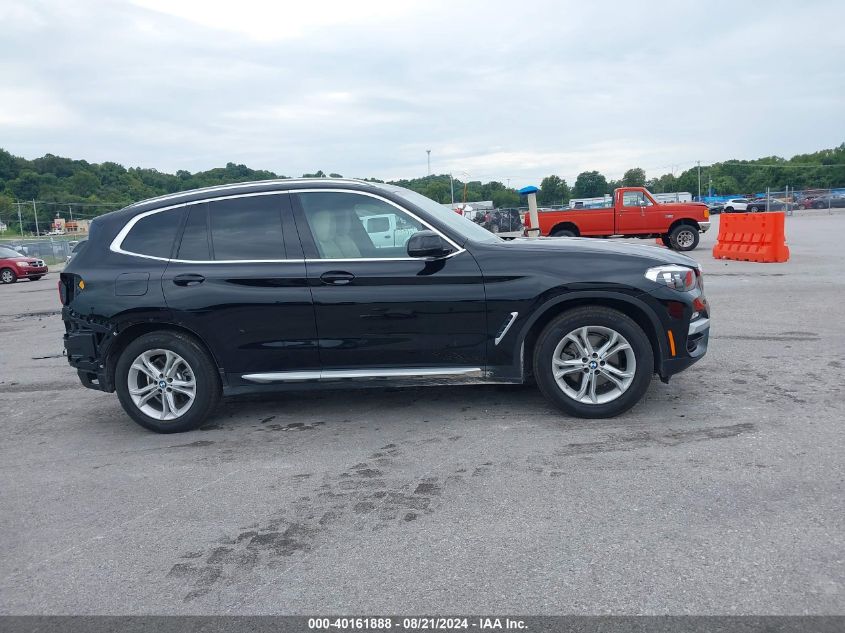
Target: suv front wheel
x=167, y=382
x=593, y=362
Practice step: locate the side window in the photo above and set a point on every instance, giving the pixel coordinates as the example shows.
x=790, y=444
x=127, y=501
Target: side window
x=194, y=244
x=635, y=199
x=154, y=235
x=353, y=226
x=248, y=228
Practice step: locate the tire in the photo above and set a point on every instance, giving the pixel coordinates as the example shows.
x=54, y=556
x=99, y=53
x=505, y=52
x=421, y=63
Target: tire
x=556, y=343
x=8, y=276
x=666, y=241
x=801, y=207
x=35, y=278
x=196, y=365
x=683, y=238
x=729, y=209
x=563, y=233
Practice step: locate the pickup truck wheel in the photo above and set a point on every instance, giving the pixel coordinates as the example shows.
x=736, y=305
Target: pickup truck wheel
x=8, y=276
x=563, y=233
x=593, y=362
x=167, y=382
x=683, y=237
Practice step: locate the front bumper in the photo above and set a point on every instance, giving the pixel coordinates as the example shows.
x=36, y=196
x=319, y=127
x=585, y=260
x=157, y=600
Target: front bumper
x=703, y=227
x=692, y=350
x=31, y=271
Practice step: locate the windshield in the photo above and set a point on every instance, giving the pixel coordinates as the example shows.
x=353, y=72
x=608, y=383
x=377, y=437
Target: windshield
x=455, y=221
x=8, y=252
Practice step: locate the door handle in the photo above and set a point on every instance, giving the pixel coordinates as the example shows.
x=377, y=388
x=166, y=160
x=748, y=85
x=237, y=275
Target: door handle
x=337, y=278
x=188, y=279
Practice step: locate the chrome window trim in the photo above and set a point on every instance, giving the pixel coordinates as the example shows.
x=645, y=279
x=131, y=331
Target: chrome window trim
x=254, y=183
x=507, y=327
x=458, y=248
x=116, y=245
x=376, y=372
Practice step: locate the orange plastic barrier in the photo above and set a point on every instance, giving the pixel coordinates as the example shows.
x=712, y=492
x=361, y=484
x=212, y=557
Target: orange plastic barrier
x=752, y=237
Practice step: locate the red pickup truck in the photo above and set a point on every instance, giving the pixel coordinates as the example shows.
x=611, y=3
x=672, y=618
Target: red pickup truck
x=634, y=213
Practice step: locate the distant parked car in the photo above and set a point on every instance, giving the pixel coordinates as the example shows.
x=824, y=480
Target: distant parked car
x=824, y=202
x=14, y=266
x=735, y=205
x=761, y=205
x=76, y=248
x=716, y=208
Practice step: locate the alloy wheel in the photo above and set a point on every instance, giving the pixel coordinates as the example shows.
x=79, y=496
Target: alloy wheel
x=594, y=364
x=162, y=384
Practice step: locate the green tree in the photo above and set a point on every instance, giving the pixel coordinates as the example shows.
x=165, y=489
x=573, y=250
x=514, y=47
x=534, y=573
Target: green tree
x=84, y=183
x=634, y=178
x=589, y=184
x=553, y=190
x=26, y=186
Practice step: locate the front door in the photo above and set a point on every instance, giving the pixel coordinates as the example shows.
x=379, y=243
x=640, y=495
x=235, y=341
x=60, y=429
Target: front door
x=380, y=312
x=635, y=213
x=238, y=281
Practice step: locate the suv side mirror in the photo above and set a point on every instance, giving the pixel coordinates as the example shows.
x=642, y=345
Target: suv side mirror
x=427, y=244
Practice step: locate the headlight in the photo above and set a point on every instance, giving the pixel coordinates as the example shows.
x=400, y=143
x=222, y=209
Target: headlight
x=22, y=264
x=679, y=278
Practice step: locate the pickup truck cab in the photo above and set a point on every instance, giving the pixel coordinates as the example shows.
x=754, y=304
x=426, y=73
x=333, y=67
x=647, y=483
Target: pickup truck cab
x=634, y=213
x=387, y=230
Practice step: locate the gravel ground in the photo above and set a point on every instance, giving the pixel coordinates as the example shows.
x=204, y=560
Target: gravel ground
x=720, y=493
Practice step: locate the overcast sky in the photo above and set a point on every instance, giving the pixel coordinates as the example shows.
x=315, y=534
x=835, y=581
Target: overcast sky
x=500, y=90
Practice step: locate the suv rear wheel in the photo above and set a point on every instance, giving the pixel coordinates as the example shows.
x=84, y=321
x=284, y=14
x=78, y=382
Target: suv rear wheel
x=593, y=362
x=167, y=382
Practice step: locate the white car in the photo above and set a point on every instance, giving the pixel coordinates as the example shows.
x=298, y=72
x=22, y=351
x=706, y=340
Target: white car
x=735, y=204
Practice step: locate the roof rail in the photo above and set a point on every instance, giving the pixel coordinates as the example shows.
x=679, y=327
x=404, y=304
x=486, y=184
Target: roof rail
x=235, y=185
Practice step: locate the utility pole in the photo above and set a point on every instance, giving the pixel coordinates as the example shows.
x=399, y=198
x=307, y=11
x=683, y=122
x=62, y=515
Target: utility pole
x=20, y=222
x=70, y=211
x=452, y=189
x=699, y=181
x=428, y=152
x=35, y=211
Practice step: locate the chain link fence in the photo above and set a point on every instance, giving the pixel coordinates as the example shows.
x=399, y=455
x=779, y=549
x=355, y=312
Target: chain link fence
x=790, y=200
x=53, y=250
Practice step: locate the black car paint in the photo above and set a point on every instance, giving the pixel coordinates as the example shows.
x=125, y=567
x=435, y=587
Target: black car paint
x=293, y=315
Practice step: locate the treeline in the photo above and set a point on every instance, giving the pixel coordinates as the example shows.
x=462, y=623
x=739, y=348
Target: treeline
x=90, y=189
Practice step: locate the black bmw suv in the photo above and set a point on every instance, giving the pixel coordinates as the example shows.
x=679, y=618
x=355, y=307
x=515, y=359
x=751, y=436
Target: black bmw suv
x=298, y=284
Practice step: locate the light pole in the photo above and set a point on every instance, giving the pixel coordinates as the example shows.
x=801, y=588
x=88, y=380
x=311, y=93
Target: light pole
x=35, y=212
x=428, y=152
x=699, y=181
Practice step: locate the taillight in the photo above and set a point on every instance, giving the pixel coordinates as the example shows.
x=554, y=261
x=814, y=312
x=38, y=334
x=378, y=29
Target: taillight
x=62, y=293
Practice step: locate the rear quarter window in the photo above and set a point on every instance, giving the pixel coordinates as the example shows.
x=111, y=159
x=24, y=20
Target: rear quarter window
x=154, y=234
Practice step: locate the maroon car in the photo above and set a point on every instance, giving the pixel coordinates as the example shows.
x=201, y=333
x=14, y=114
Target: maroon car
x=14, y=266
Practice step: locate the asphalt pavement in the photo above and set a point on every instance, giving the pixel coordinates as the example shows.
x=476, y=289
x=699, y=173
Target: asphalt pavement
x=720, y=493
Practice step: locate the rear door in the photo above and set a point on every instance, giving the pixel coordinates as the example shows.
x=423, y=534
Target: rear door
x=238, y=280
x=380, y=312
